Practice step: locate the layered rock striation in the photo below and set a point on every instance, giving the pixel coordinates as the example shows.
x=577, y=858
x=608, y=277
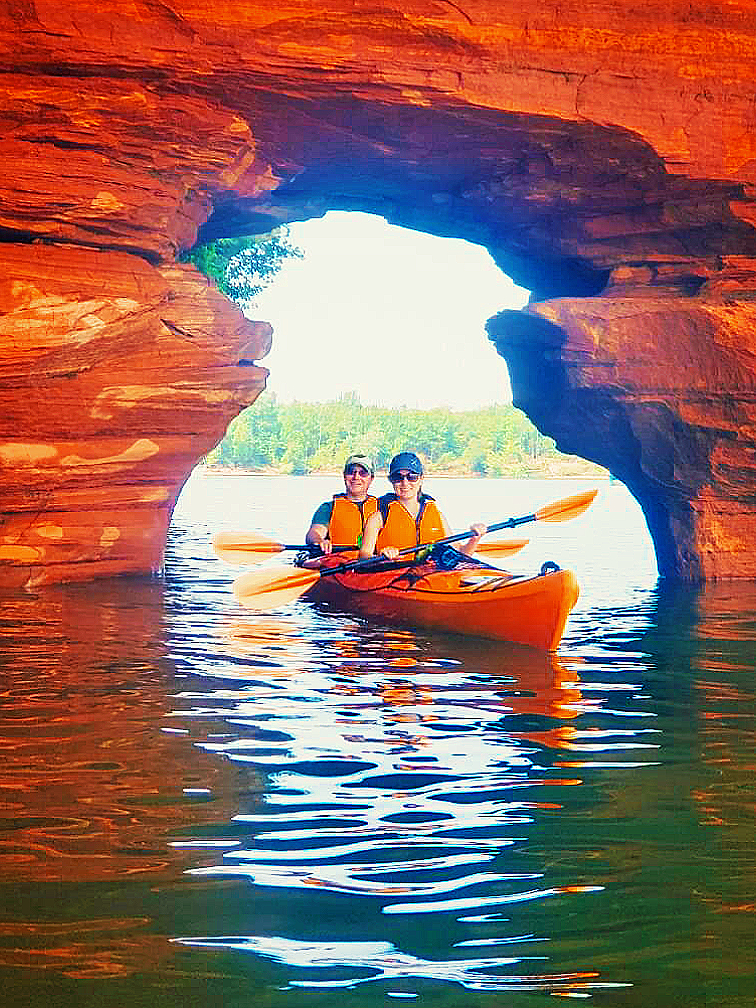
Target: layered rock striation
x=116, y=377
x=605, y=155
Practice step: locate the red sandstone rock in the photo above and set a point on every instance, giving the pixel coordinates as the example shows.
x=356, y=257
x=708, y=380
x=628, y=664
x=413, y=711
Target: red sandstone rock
x=606, y=155
x=661, y=391
x=117, y=377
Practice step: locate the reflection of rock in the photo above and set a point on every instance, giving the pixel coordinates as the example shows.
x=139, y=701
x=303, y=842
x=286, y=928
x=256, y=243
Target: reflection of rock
x=91, y=778
x=717, y=635
x=607, y=162
x=104, y=948
x=93, y=785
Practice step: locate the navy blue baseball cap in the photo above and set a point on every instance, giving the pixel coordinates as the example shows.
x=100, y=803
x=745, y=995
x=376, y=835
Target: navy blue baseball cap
x=408, y=461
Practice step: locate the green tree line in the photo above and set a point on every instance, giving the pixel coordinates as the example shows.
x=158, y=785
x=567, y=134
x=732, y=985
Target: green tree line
x=300, y=438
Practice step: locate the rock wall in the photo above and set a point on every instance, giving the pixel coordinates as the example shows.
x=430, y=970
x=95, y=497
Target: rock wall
x=117, y=376
x=663, y=393
x=606, y=155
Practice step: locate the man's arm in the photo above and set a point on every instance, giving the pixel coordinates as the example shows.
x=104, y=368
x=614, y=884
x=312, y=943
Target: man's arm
x=317, y=534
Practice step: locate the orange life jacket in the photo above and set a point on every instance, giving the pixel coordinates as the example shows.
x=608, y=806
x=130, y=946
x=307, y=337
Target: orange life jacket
x=348, y=519
x=403, y=531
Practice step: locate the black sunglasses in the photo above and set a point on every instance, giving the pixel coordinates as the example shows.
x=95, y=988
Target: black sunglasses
x=359, y=470
x=398, y=477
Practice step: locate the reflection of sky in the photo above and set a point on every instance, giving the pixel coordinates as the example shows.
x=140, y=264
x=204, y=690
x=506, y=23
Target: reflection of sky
x=382, y=961
x=398, y=776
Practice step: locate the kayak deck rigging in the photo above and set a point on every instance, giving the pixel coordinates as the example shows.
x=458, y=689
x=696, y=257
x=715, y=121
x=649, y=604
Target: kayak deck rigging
x=470, y=598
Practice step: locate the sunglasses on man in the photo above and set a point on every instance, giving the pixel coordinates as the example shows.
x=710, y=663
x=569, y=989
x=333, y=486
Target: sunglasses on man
x=356, y=470
x=399, y=476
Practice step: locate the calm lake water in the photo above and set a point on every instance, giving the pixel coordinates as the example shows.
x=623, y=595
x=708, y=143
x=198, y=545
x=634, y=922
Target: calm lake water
x=210, y=808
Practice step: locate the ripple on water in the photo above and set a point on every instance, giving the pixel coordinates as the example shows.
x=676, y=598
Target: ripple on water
x=375, y=811
x=406, y=782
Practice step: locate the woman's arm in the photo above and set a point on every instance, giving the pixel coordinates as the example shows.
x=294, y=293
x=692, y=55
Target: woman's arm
x=373, y=526
x=468, y=547
x=477, y=532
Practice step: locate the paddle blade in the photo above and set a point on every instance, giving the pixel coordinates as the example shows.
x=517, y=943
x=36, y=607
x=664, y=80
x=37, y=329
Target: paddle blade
x=237, y=548
x=262, y=590
x=568, y=507
x=502, y=547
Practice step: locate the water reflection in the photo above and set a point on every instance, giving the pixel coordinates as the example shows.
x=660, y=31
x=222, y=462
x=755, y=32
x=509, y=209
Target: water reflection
x=212, y=808
x=90, y=784
x=381, y=961
x=407, y=773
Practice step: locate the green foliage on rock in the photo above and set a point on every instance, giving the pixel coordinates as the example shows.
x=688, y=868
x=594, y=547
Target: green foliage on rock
x=301, y=438
x=242, y=267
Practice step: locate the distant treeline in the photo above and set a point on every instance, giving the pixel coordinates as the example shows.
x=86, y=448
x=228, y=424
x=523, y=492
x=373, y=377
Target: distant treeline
x=301, y=438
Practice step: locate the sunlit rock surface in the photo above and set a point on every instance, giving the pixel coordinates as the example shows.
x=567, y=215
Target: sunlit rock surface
x=116, y=376
x=663, y=393
x=605, y=155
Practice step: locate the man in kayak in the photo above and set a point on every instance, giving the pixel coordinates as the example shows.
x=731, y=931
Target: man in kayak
x=339, y=523
x=408, y=517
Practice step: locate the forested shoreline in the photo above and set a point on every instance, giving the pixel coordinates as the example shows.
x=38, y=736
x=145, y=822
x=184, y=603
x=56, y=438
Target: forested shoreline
x=304, y=438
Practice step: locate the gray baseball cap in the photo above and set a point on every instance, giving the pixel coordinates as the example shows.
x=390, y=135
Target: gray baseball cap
x=361, y=460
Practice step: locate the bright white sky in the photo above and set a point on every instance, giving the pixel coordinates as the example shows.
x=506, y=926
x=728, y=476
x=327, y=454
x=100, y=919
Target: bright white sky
x=393, y=315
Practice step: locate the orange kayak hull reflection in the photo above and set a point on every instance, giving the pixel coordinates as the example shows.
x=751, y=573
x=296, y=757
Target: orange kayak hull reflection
x=476, y=601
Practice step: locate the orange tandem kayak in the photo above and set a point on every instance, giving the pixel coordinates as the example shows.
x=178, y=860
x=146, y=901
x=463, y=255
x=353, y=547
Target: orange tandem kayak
x=472, y=599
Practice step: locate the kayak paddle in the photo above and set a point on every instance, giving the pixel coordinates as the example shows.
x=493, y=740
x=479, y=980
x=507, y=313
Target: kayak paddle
x=237, y=548
x=501, y=547
x=259, y=590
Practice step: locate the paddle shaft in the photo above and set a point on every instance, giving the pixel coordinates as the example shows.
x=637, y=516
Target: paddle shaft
x=510, y=523
x=457, y=537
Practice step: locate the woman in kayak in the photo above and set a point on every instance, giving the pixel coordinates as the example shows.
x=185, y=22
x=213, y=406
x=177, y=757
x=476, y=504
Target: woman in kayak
x=408, y=517
x=339, y=523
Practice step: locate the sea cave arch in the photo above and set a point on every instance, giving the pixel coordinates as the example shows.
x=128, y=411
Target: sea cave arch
x=602, y=173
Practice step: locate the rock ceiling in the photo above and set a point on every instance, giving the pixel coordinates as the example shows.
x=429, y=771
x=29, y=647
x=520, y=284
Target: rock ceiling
x=605, y=155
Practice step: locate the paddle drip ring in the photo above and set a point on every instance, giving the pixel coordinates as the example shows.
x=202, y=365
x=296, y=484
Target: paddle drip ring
x=549, y=567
